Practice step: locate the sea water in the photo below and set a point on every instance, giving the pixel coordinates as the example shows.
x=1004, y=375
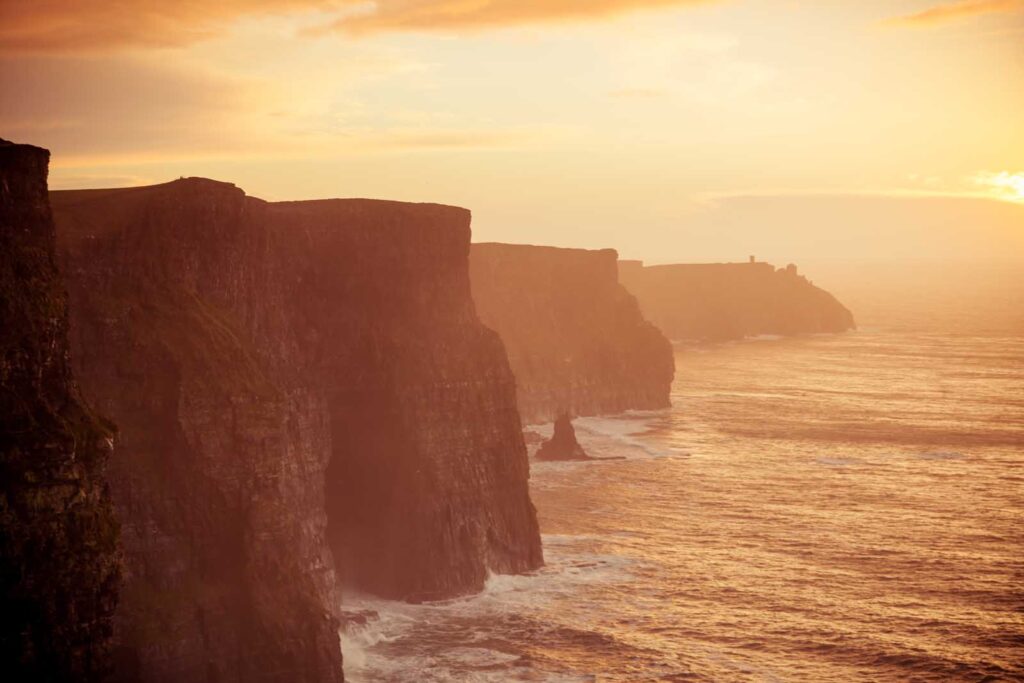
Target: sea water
x=824, y=508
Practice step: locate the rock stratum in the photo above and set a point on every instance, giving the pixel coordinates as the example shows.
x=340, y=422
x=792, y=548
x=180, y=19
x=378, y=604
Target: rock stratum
x=723, y=301
x=576, y=339
x=303, y=390
x=59, y=557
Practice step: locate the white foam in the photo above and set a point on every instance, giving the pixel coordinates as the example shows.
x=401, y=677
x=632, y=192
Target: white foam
x=372, y=650
x=836, y=462
x=385, y=647
x=620, y=435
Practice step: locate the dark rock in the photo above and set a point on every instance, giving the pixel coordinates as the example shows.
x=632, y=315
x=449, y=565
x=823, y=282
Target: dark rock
x=59, y=557
x=301, y=386
x=428, y=483
x=722, y=301
x=562, y=445
x=219, y=480
x=576, y=338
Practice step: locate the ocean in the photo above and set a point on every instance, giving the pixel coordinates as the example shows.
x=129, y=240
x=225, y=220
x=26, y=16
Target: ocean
x=825, y=508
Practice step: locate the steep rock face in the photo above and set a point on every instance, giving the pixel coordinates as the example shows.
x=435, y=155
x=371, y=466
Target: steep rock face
x=719, y=301
x=219, y=480
x=292, y=379
x=576, y=339
x=427, y=488
x=59, y=558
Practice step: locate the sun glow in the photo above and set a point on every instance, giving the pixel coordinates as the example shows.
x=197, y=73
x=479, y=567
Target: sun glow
x=1004, y=185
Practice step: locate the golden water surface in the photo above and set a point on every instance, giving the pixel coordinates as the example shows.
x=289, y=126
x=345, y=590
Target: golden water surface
x=830, y=508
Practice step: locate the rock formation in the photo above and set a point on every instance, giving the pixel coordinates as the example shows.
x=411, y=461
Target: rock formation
x=576, y=339
x=563, y=444
x=300, y=386
x=720, y=301
x=59, y=559
x=218, y=480
x=428, y=485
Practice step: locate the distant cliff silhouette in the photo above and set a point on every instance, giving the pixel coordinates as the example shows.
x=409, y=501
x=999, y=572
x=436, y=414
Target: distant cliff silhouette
x=576, y=339
x=721, y=301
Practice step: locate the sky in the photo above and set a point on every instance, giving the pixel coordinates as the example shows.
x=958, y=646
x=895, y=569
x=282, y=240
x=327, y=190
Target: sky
x=672, y=130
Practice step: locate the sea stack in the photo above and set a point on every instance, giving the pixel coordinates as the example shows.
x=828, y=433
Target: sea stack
x=59, y=557
x=576, y=338
x=722, y=301
x=563, y=444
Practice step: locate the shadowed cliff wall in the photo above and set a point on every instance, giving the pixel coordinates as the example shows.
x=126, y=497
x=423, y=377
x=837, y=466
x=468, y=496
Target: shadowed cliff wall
x=576, y=339
x=428, y=484
x=59, y=560
x=292, y=379
x=219, y=480
x=720, y=301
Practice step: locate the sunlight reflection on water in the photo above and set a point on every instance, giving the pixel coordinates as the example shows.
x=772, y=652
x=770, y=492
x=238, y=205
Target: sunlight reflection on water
x=825, y=508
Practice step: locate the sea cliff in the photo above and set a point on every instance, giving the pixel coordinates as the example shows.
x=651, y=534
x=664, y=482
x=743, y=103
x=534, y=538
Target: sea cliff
x=59, y=557
x=721, y=301
x=304, y=391
x=218, y=481
x=576, y=339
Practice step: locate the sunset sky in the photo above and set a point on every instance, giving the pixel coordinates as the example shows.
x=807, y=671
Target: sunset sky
x=672, y=130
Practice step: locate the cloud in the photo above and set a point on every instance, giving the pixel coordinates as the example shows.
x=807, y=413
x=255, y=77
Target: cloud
x=100, y=112
x=72, y=26
x=638, y=93
x=447, y=15
x=799, y=226
x=952, y=11
x=1004, y=184
x=107, y=106
x=61, y=181
x=408, y=139
x=76, y=26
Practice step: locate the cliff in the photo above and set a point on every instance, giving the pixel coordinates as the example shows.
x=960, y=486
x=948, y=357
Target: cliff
x=428, y=486
x=576, y=339
x=59, y=560
x=218, y=480
x=302, y=388
x=720, y=301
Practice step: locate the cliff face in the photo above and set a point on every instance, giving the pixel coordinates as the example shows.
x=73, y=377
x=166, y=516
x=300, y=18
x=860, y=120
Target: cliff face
x=290, y=379
x=427, y=488
x=219, y=478
x=576, y=339
x=59, y=560
x=720, y=301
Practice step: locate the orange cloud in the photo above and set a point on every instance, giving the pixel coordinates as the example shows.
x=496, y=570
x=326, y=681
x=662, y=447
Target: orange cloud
x=73, y=26
x=952, y=11
x=113, y=111
x=114, y=105
x=46, y=26
x=443, y=15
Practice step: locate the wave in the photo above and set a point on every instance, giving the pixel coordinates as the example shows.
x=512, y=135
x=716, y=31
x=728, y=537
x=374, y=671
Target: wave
x=623, y=435
x=941, y=455
x=475, y=638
